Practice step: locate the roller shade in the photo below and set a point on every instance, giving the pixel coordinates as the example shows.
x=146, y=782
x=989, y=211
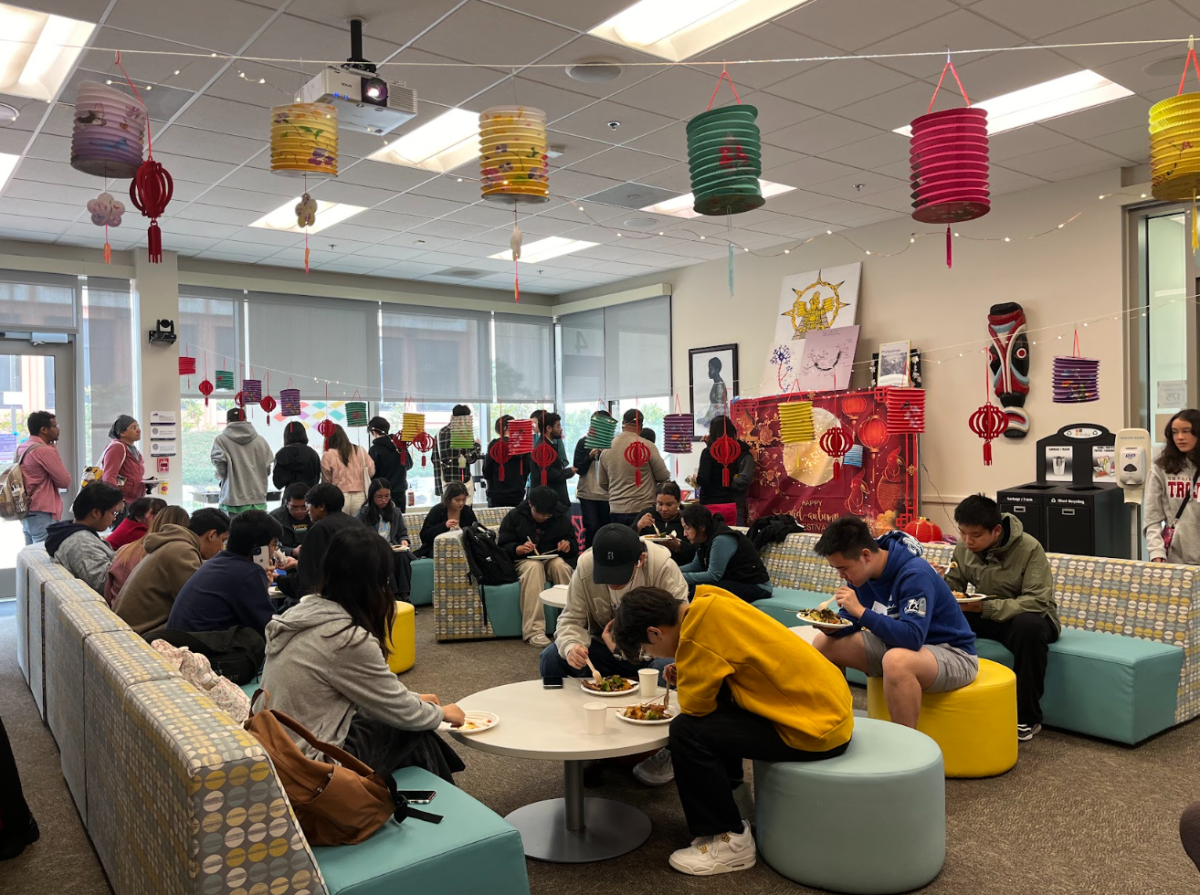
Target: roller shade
x=524, y=359
x=436, y=355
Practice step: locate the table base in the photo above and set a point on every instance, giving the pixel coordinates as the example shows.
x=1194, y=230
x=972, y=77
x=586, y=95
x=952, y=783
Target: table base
x=609, y=829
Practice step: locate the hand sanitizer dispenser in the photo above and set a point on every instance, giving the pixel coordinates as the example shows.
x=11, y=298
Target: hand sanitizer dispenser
x=1133, y=462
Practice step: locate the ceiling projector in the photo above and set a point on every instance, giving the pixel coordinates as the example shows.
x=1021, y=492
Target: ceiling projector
x=364, y=101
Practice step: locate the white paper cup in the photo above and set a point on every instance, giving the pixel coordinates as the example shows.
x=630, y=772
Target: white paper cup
x=648, y=679
x=597, y=717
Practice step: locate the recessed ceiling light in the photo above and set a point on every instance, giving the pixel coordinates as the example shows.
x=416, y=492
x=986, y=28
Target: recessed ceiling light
x=8, y=114
x=443, y=144
x=594, y=71
x=1050, y=99
x=283, y=218
x=681, y=206
x=1165, y=68
x=679, y=29
x=545, y=249
x=39, y=51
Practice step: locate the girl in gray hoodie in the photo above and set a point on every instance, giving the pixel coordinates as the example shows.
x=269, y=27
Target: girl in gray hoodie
x=1171, y=493
x=327, y=667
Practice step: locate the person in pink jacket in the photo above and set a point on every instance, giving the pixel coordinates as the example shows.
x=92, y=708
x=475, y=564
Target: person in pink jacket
x=44, y=474
x=349, y=467
x=122, y=461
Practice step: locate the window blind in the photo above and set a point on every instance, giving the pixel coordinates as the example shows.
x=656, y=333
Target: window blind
x=209, y=330
x=524, y=359
x=436, y=355
x=108, y=369
x=38, y=300
x=617, y=353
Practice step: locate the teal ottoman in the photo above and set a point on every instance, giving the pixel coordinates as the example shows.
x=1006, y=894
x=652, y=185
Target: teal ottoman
x=872, y=820
x=1122, y=689
x=421, y=591
x=503, y=603
x=472, y=850
x=783, y=605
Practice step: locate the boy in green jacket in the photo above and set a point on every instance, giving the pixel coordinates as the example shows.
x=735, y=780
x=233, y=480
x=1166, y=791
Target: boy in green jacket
x=1010, y=568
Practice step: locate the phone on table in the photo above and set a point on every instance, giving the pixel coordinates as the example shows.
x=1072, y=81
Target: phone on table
x=551, y=682
x=418, y=796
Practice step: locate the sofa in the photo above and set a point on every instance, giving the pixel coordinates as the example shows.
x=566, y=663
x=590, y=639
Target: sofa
x=422, y=569
x=1127, y=665
x=179, y=799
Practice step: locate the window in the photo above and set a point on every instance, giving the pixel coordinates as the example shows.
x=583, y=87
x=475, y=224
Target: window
x=524, y=359
x=582, y=341
x=43, y=301
x=436, y=356
x=108, y=344
x=619, y=352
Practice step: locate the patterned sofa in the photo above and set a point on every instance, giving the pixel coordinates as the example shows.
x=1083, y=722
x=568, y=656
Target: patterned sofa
x=422, y=569
x=1127, y=665
x=178, y=799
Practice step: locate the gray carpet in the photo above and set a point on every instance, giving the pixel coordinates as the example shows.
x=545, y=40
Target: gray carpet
x=1075, y=817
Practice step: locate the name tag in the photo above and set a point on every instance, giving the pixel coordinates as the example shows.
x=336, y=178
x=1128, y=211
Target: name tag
x=880, y=608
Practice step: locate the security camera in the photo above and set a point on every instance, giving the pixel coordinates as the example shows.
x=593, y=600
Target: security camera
x=613, y=125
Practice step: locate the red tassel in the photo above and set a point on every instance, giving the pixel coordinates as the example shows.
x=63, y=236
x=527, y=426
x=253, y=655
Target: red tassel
x=725, y=477
x=637, y=477
x=544, y=476
x=502, y=472
x=987, y=453
x=949, y=251
x=837, y=471
x=422, y=458
x=155, y=243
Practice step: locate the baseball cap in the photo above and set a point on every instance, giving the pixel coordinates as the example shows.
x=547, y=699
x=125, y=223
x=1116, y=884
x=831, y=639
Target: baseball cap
x=615, y=552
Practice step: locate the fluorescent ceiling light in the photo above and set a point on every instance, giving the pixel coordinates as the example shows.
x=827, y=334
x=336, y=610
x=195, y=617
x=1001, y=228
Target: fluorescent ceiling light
x=440, y=145
x=545, y=249
x=681, y=206
x=679, y=29
x=1051, y=99
x=283, y=218
x=8, y=164
x=38, y=51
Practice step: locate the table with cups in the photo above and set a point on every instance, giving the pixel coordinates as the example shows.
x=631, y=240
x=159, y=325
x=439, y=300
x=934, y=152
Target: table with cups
x=573, y=726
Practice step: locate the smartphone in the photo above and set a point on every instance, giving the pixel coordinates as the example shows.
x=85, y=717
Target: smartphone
x=418, y=796
x=552, y=683
x=262, y=557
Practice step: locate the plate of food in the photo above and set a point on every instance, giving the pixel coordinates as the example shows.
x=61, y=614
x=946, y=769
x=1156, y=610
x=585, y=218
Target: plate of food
x=400, y=548
x=614, y=685
x=648, y=713
x=960, y=597
x=477, y=722
x=658, y=539
x=825, y=619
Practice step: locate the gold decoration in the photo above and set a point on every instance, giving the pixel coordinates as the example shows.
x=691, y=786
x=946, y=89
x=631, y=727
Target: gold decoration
x=815, y=312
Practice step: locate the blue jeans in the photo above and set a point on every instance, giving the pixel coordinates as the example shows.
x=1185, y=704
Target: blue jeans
x=551, y=664
x=34, y=525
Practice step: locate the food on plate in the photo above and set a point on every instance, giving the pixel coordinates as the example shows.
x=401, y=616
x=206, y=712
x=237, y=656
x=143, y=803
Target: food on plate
x=473, y=725
x=649, y=712
x=823, y=616
x=613, y=684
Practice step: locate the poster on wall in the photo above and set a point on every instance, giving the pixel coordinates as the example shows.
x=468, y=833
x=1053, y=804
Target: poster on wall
x=893, y=364
x=1058, y=463
x=828, y=359
x=1104, y=463
x=808, y=302
x=713, y=380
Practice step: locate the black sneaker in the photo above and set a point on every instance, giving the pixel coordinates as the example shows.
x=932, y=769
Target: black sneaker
x=11, y=846
x=1026, y=732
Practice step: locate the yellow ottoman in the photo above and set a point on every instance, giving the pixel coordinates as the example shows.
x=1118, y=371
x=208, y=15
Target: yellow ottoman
x=404, y=639
x=975, y=725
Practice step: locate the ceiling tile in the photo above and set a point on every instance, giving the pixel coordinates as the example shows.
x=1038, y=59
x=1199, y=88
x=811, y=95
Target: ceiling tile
x=860, y=185
x=208, y=145
x=448, y=229
x=1146, y=21
x=150, y=60
x=383, y=176
x=806, y=171
x=1120, y=115
x=854, y=24
x=78, y=196
x=436, y=81
x=841, y=212
x=385, y=20
x=836, y=84
x=216, y=214
x=1002, y=73
x=228, y=117
x=385, y=220
x=593, y=122
x=1050, y=162
x=775, y=114
x=1131, y=144
x=291, y=37
x=348, y=193
x=670, y=142
x=574, y=148
x=485, y=214
x=479, y=33
x=821, y=134
x=420, y=206
x=960, y=29
x=585, y=48
x=896, y=108
x=225, y=197
x=1023, y=141
x=221, y=25
x=256, y=180
x=677, y=179
x=677, y=92
x=28, y=208
x=449, y=187
x=56, y=172
x=625, y=164
x=767, y=41
x=48, y=146
x=579, y=16
x=197, y=170
x=555, y=102
x=572, y=184
x=874, y=152
x=1036, y=18
x=14, y=142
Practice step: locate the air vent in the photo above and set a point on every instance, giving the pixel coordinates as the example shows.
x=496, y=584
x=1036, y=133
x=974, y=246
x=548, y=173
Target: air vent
x=462, y=273
x=632, y=195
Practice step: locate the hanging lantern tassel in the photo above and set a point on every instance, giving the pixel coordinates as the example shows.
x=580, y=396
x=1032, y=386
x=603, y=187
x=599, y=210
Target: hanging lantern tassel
x=515, y=243
x=949, y=248
x=637, y=455
x=151, y=192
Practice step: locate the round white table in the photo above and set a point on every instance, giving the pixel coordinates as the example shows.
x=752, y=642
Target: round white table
x=556, y=596
x=550, y=725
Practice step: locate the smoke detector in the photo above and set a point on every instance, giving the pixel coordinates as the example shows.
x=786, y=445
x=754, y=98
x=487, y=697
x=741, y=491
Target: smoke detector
x=594, y=71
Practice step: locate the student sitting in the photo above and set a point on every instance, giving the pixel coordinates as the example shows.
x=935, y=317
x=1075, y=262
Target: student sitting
x=138, y=516
x=324, y=504
x=449, y=515
x=724, y=557
x=327, y=666
x=748, y=688
x=77, y=545
x=173, y=555
x=292, y=516
x=130, y=556
x=230, y=590
x=381, y=514
x=1001, y=560
x=906, y=627
x=539, y=525
x=665, y=518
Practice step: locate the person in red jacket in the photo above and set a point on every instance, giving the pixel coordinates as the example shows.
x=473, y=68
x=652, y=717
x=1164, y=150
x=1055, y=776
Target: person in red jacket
x=122, y=461
x=44, y=474
x=137, y=521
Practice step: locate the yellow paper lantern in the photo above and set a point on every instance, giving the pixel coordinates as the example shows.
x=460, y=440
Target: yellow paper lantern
x=304, y=139
x=796, y=422
x=513, y=163
x=411, y=425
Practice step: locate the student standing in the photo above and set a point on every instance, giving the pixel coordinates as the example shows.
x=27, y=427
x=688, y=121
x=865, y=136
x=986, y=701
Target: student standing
x=627, y=496
x=543, y=526
x=454, y=464
x=506, y=481
x=1172, y=503
x=296, y=462
x=593, y=499
x=121, y=463
x=550, y=430
x=77, y=545
x=242, y=459
x=44, y=475
x=710, y=475
x=349, y=467
x=391, y=463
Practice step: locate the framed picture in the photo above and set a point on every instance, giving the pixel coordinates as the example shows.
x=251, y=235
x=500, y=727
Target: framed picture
x=713, y=384
x=893, y=364
x=914, y=369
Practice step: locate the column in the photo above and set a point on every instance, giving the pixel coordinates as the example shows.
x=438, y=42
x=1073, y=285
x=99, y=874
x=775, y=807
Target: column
x=156, y=297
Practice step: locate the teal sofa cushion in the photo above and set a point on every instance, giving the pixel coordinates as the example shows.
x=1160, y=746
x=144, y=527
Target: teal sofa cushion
x=503, y=603
x=783, y=605
x=421, y=593
x=472, y=850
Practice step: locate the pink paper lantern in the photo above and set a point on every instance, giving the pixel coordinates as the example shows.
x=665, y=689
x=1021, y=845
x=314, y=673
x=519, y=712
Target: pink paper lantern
x=949, y=156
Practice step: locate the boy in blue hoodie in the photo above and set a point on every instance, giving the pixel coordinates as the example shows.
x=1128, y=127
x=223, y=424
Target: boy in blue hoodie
x=905, y=625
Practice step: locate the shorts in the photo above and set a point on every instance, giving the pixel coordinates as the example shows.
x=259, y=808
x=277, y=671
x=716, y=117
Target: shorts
x=956, y=667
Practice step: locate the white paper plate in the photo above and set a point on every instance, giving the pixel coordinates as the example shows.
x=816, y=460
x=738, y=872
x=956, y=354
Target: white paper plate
x=660, y=539
x=546, y=557
x=621, y=715
x=822, y=626
x=633, y=691
x=970, y=598
x=485, y=720
x=400, y=548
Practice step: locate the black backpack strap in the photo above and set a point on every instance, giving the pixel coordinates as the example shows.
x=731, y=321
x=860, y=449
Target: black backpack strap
x=403, y=809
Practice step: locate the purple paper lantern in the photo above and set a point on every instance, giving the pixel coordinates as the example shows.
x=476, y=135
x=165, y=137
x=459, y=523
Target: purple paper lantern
x=110, y=131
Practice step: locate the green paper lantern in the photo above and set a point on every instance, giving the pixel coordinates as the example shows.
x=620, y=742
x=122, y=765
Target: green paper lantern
x=224, y=380
x=725, y=160
x=356, y=414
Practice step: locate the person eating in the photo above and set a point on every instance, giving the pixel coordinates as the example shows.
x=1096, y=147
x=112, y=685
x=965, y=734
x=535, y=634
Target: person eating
x=724, y=557
x=665, y=520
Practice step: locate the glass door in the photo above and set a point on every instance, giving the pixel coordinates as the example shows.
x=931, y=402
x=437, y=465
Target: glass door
x=33, y=377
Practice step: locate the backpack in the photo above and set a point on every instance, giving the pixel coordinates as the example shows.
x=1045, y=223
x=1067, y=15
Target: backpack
x=338, y=802
x=235, y=653
x=487, y=560
x=14, y=499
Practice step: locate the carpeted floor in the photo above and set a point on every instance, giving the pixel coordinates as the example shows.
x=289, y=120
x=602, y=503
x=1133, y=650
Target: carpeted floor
x=1075, y=817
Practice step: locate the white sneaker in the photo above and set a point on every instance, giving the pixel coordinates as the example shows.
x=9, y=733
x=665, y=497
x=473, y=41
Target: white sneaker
x=656, y=770
x=709, y=855
x=540, y=640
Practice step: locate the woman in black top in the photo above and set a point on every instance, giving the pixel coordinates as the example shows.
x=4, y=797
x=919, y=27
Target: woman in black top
x=724, y=557
x=391, y=463
x=511, y=491
x=666, y=518
x=449, y=515
x=710, y=476
x=381, y=515
x=296, y=462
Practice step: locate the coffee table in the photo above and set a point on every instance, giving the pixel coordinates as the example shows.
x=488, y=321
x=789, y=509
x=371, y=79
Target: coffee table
x=555, y=597
x=549, y=725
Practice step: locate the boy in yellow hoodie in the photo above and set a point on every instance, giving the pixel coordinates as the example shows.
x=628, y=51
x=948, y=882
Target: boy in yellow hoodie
x=748, y=688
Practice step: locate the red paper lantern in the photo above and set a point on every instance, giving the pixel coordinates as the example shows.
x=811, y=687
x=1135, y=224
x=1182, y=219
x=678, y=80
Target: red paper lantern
x=637, y=455
x=151, y=191
x=206, y=389
x=268, y=404
x=854, y=406
x=873, y=434
x=923, y=530
x=424, y=443
x=544, y=455
x=836, y=442
x=187, y=366
x=325, y=429
x=725, y=450
x=499, y=452
x=989, y=423
x=906, y=411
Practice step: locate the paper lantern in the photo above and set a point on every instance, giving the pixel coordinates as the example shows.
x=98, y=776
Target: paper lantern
x=109, y=132
x=356, y=414
x=268, y=405
x=304, y=140
x=1175, y=146
x=520, y=437
x=923, y=530
x=854, y=406
x=187, y=366
x=1076, y=380
x=873, y=433
x=151, y=192
x=289, y=402
x=424, y=443
x=836, y=442
x=106, y=212
x=854, y=457
x=224, y=380
x=725, y=450
x=251, y=391
x=545, y=455
x=601, y=432
x=906, y=411
x=325, y=429
x=989, y=423
x=206, y=389
x=412, y=425
x=637, y=455
x=725, y=159
x=499, y=452
x=796, y=422
x=677, y=433
x=513, y=161
x=462, y=432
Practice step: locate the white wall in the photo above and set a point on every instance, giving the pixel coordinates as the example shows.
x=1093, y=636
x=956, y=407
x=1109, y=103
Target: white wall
x=1075, y=273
